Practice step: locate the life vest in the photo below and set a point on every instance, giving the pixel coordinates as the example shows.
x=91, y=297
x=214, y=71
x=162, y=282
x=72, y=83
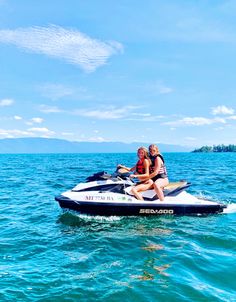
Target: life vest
x=140, y=169
x=162, y=169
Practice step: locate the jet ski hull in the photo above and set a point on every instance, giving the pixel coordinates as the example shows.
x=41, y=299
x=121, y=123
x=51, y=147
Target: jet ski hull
x=107, y=195
x=138, y=208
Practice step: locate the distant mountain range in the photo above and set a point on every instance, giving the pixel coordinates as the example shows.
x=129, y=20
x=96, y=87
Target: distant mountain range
x=51, y=145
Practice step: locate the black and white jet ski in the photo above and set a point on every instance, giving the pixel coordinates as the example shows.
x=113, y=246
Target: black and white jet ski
x=108, y=195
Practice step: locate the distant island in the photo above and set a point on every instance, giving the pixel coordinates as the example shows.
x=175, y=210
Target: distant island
x=218, y=148
x=52, y=145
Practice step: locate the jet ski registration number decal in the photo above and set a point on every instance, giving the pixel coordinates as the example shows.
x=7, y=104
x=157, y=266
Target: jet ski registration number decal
x=106, y=198
x=153, y=211
x=95, y=197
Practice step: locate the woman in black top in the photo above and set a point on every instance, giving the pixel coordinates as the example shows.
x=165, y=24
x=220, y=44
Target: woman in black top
x=158, y=172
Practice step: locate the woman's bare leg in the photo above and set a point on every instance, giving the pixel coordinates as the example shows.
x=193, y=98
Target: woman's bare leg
x=140, y=188
x=159, y=184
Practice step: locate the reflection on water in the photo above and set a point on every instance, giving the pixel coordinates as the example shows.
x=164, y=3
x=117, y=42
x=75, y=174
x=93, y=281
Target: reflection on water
x=153, y=247
x=152, y=267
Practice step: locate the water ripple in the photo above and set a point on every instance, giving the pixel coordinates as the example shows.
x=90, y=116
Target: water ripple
x=47, y=254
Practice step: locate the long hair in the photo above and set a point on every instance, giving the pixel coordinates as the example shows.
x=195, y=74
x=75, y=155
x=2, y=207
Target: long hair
x=145, y=150
x=154, y=146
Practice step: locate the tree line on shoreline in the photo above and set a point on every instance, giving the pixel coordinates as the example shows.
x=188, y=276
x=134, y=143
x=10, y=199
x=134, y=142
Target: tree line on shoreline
x=218, y=148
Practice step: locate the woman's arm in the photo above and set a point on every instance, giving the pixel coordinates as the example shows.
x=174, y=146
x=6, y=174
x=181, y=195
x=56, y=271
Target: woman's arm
x=126, y=168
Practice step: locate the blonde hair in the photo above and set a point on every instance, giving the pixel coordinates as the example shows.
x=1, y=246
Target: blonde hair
x=145, y=150
x=154, y=146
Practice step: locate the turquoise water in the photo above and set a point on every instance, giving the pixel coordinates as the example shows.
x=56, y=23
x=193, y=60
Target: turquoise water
x=50, y=255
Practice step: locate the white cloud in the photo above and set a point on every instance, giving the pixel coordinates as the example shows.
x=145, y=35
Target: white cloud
x=67, y=44
x=6, y=102
x=146, y=117
x=222, y=110
x=219, y=120
x=101, y=114
x=98, y=139
x=194, y=121
x=55, y=91
x=158, y=87
x=233, y=117
x=37, y=120
x=107, y=113
x=14, y=133
x=17, y=117
x=165, y=90
x=162, y=89
x=49, y=109
x=219, y=128
x=41, y=130
x=141, y=114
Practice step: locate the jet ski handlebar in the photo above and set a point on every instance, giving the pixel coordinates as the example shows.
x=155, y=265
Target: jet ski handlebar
x=119, y=173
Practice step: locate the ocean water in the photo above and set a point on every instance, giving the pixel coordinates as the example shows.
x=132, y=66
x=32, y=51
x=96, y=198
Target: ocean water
x=47, y=254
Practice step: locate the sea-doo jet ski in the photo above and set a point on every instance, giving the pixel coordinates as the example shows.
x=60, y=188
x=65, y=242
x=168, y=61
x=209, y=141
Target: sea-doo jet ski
x=109, y=195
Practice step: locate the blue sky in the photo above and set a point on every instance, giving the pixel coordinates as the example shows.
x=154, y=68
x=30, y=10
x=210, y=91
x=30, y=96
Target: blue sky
x=147, y=71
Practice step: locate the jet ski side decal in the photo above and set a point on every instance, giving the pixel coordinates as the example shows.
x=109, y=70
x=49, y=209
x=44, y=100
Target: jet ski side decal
x=153, y=211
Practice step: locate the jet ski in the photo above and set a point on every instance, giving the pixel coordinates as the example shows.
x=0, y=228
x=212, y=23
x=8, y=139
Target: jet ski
x=110, y=195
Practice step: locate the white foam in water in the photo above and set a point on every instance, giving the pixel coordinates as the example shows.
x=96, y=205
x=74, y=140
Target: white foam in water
x=231, y=208
x=97, y=217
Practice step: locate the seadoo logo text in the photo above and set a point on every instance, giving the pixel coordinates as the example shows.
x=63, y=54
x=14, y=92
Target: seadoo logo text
x=159, y=212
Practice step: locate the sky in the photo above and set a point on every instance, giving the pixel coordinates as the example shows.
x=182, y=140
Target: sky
x=155, y=71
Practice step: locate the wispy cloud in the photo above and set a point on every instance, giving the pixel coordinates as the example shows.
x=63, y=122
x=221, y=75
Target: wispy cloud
x=160, y=88
x=49, y=109
x=144, y=117
x=232, y=117
x=55, y=91
x=37, y=120
x=34, y=131
x=17, y=117
x=41, y=130
x=6, y=102
x=219, y=128
x=164, y=89
x=67, y=44
x=107, y=113
x=98, y=139
x=222, y=110
x=5, y=133
x=157, y=87
x=194, y=121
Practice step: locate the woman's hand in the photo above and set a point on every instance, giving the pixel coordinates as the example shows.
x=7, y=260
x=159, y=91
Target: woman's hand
x=123, y=167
